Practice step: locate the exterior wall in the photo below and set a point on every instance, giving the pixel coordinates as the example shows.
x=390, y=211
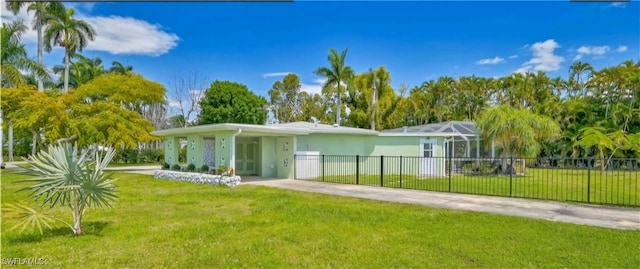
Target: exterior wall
x=370, y=148
x=285, y=149
x=223, y=149
x=171, y=150
x=268, y=156
x=195, y=152
x=334, y=144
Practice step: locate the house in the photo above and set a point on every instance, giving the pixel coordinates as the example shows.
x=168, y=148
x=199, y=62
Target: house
x=274, y=150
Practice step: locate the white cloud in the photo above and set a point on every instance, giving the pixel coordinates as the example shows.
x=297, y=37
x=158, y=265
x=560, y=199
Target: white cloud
x=320, y=81
x=275, y=74
x=544, y=58
x=315, y=87
x=311, y=88
x=618, y=4
x=495, y=60
x=513, y=56
x=595, y=51
x=115, y=34
x=126, y=35
x=622, y=48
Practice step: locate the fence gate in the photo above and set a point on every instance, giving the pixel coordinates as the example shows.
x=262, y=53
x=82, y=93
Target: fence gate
x=307, y=165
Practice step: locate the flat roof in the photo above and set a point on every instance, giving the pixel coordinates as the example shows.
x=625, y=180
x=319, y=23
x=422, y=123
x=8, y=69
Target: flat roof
x=292, y=128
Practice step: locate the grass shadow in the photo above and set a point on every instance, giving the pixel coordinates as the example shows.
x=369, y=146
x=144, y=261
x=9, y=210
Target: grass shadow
x=93, y=228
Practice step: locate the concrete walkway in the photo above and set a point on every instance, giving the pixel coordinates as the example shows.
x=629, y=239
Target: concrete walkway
x=594, y=215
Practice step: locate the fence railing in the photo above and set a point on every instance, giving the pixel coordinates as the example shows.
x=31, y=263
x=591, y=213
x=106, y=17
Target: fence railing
x=586, y=180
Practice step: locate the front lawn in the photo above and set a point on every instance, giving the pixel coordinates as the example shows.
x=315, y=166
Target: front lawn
x=163, y=224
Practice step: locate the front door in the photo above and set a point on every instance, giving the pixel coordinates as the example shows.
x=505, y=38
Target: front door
x=428, y=157
x=246, y=152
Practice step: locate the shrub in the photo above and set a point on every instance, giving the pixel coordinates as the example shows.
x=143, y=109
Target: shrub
x=191, y=167
x=204, y=168
x=166, y=166
x=176, y=167
x=221, y=169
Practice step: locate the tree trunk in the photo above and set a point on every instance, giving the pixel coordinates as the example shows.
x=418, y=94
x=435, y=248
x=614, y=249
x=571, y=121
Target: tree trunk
x=373, y=110
x=66, y=69
x=39, y=30
x=10, y=141
x=77, y=223
x=339, y=106
x=35, y=142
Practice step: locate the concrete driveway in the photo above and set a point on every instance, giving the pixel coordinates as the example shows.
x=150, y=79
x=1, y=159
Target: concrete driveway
x=594, y=215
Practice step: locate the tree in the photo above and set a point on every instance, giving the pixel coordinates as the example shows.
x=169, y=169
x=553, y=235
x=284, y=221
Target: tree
x=285, y=98
x=187, y=92
x=41, y=10
x=82, y=70
x=67, y=32
x=516, y=131
x=107, y=110
x=231, y=102
x=608, y=143
x=66, y=177
x=336, y=75
x=119, y=68
x=14, y=58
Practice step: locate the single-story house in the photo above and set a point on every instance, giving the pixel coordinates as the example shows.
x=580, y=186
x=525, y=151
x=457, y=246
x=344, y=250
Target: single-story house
x=271, y=150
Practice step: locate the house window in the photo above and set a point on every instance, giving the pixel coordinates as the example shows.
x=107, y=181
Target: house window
x=427, y=150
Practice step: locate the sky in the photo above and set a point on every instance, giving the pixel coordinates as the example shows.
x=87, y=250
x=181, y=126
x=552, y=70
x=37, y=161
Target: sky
x=257, y=44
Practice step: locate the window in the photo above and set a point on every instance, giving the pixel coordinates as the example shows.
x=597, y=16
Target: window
x=427, y=150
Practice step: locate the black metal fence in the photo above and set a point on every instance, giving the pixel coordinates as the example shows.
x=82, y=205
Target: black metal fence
x=586, y=180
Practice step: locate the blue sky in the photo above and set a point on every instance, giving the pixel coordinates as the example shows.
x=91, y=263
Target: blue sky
x=256, y=43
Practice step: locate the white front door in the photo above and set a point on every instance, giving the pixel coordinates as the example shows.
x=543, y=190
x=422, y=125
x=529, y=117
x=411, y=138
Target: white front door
x=428, y=157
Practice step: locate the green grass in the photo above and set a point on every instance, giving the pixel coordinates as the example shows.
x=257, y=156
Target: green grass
x=611, y=187
x=164, y=224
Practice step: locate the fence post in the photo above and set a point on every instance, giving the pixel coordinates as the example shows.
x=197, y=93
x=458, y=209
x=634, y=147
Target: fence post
x=381, y=171
x=357, y=169
x=589, y=179
x=449, y=167
x=510, y=176
x=401, y=171
x=322, y=167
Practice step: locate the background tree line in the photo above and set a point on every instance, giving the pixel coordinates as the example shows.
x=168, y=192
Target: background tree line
x=597, y=111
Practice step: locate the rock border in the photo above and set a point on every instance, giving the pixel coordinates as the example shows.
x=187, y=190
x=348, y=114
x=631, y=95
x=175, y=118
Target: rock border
x=230, y=181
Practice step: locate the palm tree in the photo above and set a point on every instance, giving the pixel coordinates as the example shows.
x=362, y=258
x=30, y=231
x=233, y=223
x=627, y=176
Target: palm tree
x=576, y=71
x=69, y=177
x=336, y=75
x=71, y=34
x=41, y=10
x=378, y=80
x=82, y=70
x=14, y=57
x=119, y=68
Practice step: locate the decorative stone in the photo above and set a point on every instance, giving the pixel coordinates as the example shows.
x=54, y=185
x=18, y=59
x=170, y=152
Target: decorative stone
x=230, y=181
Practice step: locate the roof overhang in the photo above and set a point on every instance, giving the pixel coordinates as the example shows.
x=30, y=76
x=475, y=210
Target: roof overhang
x=421, y=134
x=203, y=129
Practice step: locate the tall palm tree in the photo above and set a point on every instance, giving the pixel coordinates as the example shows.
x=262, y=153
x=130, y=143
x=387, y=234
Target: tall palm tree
x=336, y=75
x=14, y=56
x=71, y=34
x=40, y=11
x=378, y=80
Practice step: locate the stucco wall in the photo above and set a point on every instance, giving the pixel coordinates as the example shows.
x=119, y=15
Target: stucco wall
x=171, y=149
x=285, y=148
x=269, y=157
